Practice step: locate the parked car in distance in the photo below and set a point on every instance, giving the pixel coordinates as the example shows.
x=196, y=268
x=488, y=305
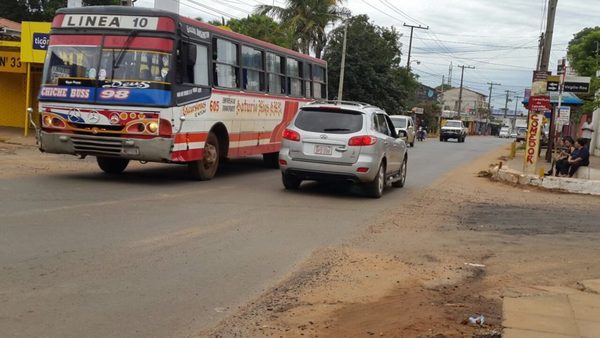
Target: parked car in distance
x=504, y=132
x=453, y=129
x=521, y=134
x=347, y=141
x=405, y=127
x=513, y=134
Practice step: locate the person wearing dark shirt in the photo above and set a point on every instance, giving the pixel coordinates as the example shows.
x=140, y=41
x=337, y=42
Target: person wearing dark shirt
x=562, y=159
x=580, y=157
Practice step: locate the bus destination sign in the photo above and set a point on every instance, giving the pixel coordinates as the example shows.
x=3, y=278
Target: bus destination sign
x=110, y=21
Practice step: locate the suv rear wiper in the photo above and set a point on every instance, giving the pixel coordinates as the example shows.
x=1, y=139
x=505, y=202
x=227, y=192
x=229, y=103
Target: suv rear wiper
x=336, y=129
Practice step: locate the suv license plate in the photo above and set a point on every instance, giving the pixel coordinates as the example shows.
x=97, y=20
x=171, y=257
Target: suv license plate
x=322, y=150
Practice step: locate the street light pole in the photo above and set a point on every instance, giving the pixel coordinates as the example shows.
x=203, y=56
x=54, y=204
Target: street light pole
x=410, y=41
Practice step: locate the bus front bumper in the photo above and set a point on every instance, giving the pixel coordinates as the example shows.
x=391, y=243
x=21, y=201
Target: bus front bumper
x=152, y=150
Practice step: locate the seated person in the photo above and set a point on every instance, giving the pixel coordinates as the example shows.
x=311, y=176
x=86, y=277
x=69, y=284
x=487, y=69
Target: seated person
x=562, y=158
x=580, y=157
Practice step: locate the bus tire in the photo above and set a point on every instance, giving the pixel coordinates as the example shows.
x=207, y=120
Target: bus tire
x=271, y=160
x=112, y=165
x=205, y=168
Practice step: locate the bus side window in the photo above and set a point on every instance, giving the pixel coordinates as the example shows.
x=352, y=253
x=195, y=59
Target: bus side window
x=201, y=65
x=226, y=64
x=186, y=59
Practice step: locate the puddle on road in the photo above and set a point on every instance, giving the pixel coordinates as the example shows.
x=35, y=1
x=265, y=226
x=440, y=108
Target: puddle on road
x=537, y=220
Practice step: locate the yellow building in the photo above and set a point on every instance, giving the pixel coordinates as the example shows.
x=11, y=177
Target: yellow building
x=22, y=53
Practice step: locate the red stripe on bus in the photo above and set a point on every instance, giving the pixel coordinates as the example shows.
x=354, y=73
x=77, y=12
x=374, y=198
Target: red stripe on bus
x=247, y=39
x=261, y=95
x=289, y=111
x=83, y=40
x=139, y=42
x=187, y=155
x=57, y=21
x=166, y=24
x=254, y=150
x=191, y=137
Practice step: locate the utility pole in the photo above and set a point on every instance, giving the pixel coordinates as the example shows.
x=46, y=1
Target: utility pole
x=450, y=75
x=517, y=97
x=439, y=120
x=545, y=60
x=462, y=74
x=343, y=65
x=487, y=117
x=552, y=4
x=410, y=42
x=506, y=103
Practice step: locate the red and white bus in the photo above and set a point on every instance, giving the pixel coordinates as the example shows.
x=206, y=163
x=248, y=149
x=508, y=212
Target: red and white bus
x=124, y=83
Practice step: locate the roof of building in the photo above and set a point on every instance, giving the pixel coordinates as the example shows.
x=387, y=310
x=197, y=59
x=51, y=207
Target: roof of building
x=5, y=23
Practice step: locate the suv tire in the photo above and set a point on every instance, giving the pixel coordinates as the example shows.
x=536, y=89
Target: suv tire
x=375, y=188
x=290, y=182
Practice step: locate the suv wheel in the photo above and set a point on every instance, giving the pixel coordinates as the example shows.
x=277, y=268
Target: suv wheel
x=375, y=188
x=290, y=182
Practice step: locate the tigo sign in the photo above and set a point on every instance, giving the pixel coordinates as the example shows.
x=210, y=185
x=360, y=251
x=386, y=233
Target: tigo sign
x=40, y=41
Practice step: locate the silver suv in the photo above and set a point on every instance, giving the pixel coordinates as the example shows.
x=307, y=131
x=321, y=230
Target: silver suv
x=349, y=141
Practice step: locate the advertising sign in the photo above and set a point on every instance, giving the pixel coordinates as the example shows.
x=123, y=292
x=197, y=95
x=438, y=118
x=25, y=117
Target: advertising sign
x=539, y=103
x=564, y=116
x=539, y=83
x=532, y=142
x=10, y=62
x=573, y=84
x=34, y=41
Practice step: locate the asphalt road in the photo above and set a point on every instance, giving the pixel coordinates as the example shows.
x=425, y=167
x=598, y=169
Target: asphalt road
x=152, y=254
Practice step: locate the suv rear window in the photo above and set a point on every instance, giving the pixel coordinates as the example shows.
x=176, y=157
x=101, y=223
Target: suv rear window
x=331, y=122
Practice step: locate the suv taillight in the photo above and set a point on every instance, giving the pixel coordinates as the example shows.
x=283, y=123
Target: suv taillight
x=291, y=135
x=364, y=140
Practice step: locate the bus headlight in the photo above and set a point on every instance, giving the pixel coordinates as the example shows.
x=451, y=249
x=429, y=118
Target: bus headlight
x=47, y=121
x=153, y=127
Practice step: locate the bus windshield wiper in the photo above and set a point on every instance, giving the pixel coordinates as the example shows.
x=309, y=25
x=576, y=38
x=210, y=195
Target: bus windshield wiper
x=117, y=61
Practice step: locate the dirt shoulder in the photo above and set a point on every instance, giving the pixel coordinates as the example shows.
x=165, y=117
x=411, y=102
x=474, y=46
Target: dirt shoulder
x=452, y=251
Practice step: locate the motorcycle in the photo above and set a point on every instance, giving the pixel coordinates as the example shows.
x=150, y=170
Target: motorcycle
x=421, y=135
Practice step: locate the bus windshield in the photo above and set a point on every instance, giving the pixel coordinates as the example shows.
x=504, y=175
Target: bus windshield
x=134, y=66
x=68, y=63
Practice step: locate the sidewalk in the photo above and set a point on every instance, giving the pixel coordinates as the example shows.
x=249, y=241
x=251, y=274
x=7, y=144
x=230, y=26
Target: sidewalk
x=15, y=136
x=562, y=313
x=517, y=163
x=585, y=182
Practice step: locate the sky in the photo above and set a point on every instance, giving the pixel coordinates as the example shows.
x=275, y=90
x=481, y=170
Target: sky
x=497, y=37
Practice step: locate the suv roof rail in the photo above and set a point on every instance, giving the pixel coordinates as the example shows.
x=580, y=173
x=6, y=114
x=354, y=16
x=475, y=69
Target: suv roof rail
x=350, y=103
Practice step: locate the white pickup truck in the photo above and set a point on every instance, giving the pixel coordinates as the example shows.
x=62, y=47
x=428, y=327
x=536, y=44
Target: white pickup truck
x=453, y=129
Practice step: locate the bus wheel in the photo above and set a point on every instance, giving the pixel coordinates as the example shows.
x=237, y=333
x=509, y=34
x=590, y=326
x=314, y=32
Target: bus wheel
x=112, y=165
x=205, y=168
x=271, y=160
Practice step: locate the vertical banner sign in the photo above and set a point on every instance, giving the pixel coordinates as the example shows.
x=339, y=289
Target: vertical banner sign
x=533, y=142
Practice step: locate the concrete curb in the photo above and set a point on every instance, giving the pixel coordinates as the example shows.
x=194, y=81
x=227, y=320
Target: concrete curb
x=562, y=184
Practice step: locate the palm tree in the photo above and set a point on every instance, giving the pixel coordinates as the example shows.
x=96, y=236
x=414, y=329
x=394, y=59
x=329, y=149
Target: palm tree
x=308, y=20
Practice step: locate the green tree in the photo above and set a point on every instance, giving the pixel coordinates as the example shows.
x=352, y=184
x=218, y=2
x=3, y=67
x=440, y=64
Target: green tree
x=263, y=28
x=431, y=111
x=373, y=73
x=583, y=57
x=40, y=10
x=307, y=19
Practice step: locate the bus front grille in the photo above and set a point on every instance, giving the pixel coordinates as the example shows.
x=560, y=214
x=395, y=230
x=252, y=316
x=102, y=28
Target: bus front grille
x=86, y=145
